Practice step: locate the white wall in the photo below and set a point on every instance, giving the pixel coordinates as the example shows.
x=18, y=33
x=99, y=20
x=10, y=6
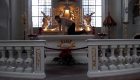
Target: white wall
x=116, y=11
x=115, y=8
x=17, y=29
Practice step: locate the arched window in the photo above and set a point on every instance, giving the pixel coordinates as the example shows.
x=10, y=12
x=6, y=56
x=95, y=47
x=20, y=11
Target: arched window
x=90, y=6
x=37, y=7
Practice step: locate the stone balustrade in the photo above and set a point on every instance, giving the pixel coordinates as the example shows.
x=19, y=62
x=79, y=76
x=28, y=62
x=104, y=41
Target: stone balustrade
x=111, y=57
x=22, y=59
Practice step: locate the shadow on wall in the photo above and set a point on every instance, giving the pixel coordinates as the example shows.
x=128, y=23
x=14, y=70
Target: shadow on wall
x=4, y=14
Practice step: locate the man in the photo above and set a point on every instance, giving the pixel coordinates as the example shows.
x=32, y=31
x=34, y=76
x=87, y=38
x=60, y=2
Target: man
x=69, y=24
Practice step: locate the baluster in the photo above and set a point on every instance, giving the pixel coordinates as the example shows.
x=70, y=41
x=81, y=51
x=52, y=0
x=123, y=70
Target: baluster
x=128, y=58
x=121, y=58
x=45, y=57
x=112, y=59
x=29, y=60
x=3, y=59
x=11, y=60
x=93, y=63
x=135, y=56
x=138, y=53
x=19, y=60
x=103, y=59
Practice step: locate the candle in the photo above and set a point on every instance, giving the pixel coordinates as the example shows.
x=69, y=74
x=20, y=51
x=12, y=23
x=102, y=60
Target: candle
x=125, y=3
x=125, y=17
x=82, y=15
x=125, y=11
x=51, y=16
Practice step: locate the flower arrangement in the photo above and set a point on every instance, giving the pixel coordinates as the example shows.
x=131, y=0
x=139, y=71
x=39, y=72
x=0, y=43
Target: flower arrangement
x=65, y=56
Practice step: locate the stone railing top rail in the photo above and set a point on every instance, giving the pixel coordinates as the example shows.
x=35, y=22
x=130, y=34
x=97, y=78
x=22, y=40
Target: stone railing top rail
x=22, y=42
x=112, y=41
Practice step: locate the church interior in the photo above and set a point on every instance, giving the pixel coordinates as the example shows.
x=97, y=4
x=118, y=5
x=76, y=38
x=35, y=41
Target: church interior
x=70, y=39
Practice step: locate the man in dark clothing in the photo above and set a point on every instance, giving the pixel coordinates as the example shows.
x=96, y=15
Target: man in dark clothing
x=70, y=26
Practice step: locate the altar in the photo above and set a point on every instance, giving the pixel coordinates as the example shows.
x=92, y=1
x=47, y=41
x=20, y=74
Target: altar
x=55, y=33
x=75, y=42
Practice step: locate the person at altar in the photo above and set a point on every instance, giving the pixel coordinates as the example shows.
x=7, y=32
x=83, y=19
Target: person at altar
x=69, y=24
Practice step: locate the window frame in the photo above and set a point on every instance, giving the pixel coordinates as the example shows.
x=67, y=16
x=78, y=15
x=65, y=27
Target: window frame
x=102, y=10
x=40, y=17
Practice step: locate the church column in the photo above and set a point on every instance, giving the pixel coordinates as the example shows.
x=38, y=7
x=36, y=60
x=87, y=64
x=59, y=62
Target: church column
x=27, y=15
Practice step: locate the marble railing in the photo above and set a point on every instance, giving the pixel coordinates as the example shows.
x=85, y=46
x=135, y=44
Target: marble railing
x=111, y=57
x=22, y=59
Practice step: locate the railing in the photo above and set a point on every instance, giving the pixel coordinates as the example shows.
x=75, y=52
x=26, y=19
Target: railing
x=111, y=57
x=22, y=59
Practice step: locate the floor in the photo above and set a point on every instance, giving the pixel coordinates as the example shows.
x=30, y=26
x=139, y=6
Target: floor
x=75, y=72
x=66, y=72
x=79, y=72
